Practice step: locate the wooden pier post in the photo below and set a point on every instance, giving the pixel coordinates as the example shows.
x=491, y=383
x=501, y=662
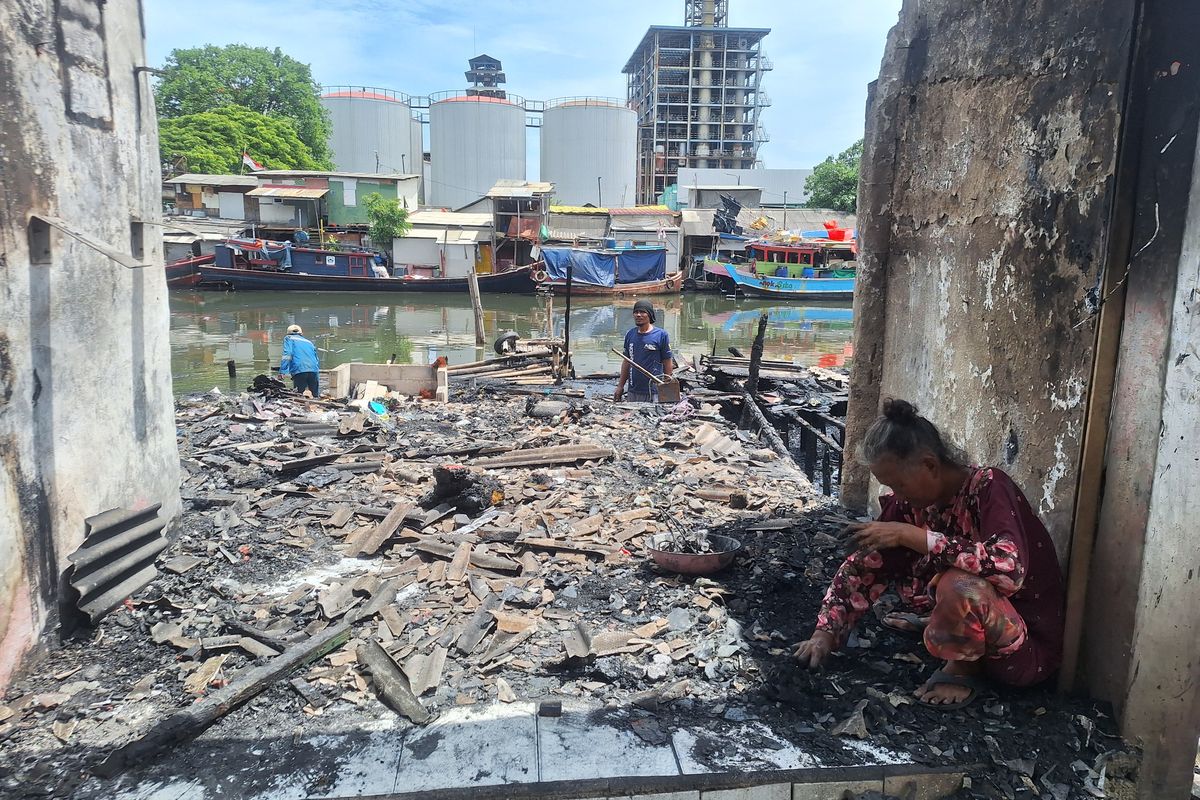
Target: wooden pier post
x=476, y=306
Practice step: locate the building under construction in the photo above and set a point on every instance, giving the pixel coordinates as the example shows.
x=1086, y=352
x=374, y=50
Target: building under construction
x=697, y=91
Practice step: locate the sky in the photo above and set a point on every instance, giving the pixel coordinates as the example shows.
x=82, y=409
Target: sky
x=824, y=53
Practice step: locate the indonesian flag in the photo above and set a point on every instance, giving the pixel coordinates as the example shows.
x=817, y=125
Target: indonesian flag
x=251, y=163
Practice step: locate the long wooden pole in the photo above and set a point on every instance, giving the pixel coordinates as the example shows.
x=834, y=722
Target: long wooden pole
x=756, y=354
x=566, y=365
x=476, y=305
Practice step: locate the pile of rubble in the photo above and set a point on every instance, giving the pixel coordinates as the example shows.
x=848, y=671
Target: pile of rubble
x=490, y=549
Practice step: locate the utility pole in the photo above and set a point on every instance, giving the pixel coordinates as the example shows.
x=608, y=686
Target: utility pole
x=376, y=162
x=599, y=192
x=785, y=209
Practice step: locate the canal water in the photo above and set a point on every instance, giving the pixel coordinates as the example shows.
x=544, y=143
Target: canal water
x=210, y=328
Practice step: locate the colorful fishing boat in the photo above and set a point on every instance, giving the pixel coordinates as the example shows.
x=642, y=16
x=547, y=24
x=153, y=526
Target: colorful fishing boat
x=185, y=273
x=809, y=270
x=248, y=264
x=608, y=272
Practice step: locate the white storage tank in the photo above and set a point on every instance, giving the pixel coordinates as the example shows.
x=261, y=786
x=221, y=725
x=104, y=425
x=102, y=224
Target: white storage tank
x=474, y=141
x=371, y=130
x=585, y=138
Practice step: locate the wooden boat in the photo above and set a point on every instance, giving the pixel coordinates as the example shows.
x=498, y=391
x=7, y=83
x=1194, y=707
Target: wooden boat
x=669, y=285
x=808, y=270
x=780, y=288
x=607, y=272
x=185, y=273
x=251, y=265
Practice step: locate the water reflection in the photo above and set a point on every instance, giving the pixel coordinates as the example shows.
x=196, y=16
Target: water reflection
x=208, y=329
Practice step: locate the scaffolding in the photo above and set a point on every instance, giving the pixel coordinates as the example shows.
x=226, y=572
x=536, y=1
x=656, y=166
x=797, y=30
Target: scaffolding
x=697, y=91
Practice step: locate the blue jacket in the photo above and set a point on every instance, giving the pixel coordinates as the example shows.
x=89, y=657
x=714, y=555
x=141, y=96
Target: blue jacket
x=299, y=355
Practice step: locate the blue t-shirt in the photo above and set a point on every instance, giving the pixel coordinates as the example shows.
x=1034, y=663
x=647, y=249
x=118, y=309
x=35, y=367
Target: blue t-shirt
x=649, y=350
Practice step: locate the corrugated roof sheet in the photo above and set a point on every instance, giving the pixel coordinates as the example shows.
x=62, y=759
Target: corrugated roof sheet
x=460, y=219
x=590, y=210
x=315, y=173
x=643, y=210
x=508, y=187
x=197, y=179
x=451, y=236
x=287, y=191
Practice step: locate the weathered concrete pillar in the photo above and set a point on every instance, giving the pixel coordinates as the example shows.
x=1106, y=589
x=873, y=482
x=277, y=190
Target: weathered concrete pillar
x=874, y=239
x=985, y=195
x=86, y=410
x=1141, y=621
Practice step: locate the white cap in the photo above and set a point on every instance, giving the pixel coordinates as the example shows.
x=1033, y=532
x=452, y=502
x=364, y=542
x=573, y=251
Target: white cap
x=294, y=329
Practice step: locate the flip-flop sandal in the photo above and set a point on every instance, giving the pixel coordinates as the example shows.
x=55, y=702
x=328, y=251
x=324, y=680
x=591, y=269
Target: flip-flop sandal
x=976, y=685
x=915, y=622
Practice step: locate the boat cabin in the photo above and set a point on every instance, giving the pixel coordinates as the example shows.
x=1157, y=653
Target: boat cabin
x=799, y=261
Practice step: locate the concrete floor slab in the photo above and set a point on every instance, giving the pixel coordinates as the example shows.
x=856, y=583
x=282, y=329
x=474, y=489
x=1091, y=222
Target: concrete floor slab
x=580, y=745
x=742, y=748
x=471, y=746
x=777, y=791
x=370, y=768
x=833, y=791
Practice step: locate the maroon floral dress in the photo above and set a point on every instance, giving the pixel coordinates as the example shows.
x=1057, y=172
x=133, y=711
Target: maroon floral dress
x=988, y=530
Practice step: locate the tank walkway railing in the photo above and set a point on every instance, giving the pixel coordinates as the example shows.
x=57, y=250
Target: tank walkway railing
x=423, y=102
x=366, y=93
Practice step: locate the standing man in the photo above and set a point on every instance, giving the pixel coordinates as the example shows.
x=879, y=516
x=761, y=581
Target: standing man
x=648, y=347
x=300, y=360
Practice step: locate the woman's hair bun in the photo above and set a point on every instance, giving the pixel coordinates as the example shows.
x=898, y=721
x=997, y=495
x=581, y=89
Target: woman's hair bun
x=900, y=411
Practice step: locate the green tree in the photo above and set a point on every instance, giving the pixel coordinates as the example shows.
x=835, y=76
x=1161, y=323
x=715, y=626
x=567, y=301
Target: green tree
x=388, y=220
x=200, y=79
x=834, y=182
x=212, y=141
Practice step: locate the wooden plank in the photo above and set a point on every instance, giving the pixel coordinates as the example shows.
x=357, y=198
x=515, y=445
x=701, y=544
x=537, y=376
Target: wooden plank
x=558, y=545
x=371, y=544
x=765, y=426
x=301, y=464
x=481, y=560
x=194, y=719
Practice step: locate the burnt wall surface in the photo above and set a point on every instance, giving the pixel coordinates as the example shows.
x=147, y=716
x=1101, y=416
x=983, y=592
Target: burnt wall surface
x=86, y=412
x=991, y=144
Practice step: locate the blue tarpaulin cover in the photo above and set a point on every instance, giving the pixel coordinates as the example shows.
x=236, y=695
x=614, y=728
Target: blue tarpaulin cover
x=587, y=266
x=597, y=267
x=639, y=266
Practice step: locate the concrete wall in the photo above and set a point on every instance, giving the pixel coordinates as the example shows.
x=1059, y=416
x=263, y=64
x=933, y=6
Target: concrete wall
x=1162, y=703
x=1141, y=629
x=86, y=409
x=991, y=141
x=774, y=182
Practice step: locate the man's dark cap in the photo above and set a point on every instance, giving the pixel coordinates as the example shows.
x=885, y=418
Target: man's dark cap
x=644, y=305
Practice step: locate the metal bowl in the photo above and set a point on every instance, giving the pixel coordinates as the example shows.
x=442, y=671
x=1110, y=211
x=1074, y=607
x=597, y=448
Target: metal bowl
x=694, y=563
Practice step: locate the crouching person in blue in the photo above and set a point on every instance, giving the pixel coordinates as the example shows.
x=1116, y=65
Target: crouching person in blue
x=300, y=360
x=648, y=347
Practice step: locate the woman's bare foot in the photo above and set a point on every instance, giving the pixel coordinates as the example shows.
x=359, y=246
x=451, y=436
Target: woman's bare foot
x=941, y=693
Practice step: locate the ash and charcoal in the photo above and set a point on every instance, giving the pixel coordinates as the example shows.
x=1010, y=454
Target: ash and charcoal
x=490, y=585
x=679, y=539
